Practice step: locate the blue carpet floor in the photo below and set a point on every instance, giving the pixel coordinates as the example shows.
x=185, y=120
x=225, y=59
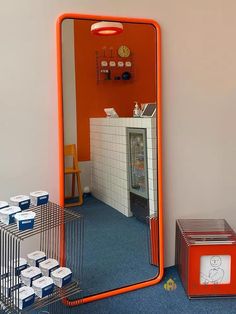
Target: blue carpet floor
x=116, y=249
x=153, y=299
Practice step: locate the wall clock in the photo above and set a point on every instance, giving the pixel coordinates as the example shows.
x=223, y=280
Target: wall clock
x=123, y=51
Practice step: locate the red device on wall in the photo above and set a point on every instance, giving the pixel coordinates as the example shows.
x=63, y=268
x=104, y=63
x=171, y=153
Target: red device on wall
x=206, y=257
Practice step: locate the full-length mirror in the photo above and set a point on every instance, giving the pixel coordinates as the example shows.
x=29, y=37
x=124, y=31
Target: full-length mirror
x=110, y=141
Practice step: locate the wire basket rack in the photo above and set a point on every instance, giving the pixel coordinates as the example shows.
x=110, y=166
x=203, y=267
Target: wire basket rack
x=58, y=232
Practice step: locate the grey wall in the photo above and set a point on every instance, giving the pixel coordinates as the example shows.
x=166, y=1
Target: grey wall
x=68, y=78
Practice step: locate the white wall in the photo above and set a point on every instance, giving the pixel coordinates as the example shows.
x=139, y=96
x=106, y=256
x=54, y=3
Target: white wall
x=69, y=103
x=199, y=96
x=69, y=94
x=68, y=78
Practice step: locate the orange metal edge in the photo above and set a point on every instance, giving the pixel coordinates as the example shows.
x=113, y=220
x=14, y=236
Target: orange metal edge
x=158, y=278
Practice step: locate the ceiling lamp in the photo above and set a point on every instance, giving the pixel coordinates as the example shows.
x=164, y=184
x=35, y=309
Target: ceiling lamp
x=106, y=28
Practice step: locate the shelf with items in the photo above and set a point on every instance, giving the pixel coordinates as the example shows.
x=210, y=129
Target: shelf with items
x=54, y=230
x=114, y=68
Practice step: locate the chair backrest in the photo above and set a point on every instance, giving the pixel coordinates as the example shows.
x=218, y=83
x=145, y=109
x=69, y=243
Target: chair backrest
x=70, y=150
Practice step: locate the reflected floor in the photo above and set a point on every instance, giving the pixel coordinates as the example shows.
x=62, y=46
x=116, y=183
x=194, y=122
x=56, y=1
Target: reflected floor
x=116, y=249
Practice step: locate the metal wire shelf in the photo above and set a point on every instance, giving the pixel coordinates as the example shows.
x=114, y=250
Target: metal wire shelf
x=53, y=226
x=57, y=295
x=54, y=217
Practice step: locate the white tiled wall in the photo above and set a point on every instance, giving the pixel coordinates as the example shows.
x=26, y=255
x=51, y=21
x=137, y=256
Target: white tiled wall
x=109, y=156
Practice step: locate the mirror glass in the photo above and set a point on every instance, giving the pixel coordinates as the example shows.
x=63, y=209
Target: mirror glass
x=111, y=162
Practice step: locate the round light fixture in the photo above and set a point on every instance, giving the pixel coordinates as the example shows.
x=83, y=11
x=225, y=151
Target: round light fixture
x=106, y=28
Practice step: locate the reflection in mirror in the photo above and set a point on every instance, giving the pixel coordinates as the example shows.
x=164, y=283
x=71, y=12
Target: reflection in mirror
x=111, y=162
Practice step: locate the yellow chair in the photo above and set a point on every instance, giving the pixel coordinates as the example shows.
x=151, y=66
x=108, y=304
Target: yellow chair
x=70, y=151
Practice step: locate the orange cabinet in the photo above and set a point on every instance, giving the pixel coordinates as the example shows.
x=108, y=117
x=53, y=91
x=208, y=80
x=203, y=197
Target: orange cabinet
x=206, y=257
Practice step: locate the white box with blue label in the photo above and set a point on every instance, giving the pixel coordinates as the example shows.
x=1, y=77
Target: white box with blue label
x=48, y=266
x=35, y=258
x=9, y=285
x=7, y=214
x=24, y=297
x=25, y=220
x=30, y=274
x=43, y=286
x=3, y=204
x=23, y=201
x=18, y=265
x=39, y=198
x=61, y=276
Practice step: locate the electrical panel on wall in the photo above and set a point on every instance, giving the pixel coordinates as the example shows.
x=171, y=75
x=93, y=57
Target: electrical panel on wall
x=115, y=64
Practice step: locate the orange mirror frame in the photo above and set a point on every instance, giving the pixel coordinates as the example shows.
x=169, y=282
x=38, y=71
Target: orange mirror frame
x=159, y=221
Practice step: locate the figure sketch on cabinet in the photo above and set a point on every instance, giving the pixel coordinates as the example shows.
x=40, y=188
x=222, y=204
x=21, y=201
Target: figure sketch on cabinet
x=215, y=272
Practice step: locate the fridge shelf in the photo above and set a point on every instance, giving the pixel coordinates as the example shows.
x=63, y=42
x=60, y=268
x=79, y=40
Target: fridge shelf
x=137, y=156
x=58, y=232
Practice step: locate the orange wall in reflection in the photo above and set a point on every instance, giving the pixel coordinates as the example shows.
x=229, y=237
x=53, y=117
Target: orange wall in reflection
x=92, y=97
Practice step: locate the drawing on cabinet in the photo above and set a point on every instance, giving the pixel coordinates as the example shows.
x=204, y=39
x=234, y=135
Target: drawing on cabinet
x=215, y=269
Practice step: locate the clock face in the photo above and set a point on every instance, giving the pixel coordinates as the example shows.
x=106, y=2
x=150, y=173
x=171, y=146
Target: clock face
x=124, y=51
